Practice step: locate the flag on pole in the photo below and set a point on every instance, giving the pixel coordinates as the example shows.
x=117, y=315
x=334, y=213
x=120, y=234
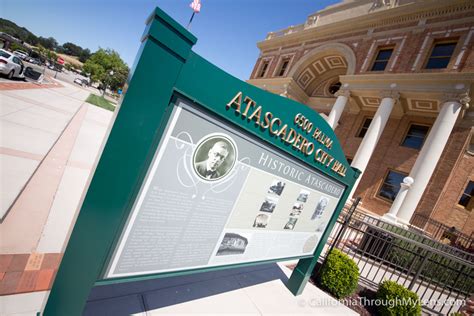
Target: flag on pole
x=196, y=6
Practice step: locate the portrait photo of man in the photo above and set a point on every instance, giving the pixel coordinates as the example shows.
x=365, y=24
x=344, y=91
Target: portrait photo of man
x=214, y=158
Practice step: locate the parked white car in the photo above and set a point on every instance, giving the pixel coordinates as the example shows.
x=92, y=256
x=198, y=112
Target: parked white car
x=20, y=54
x=10, y=65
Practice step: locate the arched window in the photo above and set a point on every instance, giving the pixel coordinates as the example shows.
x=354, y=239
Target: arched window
x=334, y=87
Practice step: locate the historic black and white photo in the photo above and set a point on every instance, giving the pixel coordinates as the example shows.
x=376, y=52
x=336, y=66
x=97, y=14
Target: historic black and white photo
x=295, y=212
x=290, y=225
x=261, y=221
x=214, y=157
x=298, y=206
x=303, y=196
x=232, y=244
x=277, y=187
x=269, y=204
x=320, y=207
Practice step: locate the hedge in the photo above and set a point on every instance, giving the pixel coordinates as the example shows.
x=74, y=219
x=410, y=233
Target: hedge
x=339, y=275
x=396, y=300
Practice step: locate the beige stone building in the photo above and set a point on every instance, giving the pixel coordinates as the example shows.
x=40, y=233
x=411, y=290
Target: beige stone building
x=394, y=79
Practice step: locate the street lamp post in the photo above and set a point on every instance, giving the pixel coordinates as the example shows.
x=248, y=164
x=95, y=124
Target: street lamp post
x=108, y=81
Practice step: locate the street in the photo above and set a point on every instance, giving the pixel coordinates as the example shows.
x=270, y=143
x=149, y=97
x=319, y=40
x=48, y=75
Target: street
x=64, y=76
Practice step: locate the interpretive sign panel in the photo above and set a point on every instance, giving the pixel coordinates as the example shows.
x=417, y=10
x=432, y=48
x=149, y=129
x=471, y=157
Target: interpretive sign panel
x=201, y=171
x=256, y=205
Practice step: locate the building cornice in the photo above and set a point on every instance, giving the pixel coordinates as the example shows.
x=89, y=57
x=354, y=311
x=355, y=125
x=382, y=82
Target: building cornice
x=441, y=79
x=394, y=16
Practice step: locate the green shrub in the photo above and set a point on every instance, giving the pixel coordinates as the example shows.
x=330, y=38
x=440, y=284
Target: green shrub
x=339, y=275
x=397, y=300
x=15, y=46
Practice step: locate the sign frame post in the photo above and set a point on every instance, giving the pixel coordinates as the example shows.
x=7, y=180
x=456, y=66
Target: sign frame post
x=165, y=68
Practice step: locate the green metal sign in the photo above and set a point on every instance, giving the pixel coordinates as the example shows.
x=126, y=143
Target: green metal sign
x=201, y=171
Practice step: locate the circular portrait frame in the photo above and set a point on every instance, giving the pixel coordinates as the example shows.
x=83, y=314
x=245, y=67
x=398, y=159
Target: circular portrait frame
x=201, y=155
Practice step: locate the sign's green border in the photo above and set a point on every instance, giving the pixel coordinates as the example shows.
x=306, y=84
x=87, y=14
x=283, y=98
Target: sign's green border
x=165, y=65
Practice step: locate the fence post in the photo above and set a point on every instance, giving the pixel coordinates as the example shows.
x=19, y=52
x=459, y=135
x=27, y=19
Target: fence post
x=420, y=269
x=437, y=231
x=346, y=222
x=459, y=274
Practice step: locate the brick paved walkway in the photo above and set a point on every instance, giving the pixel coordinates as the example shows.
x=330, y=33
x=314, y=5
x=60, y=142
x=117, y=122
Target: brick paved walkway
x=21, y=85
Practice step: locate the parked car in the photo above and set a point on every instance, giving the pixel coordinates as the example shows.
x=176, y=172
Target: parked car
x=21, y=54
x=10, y=65
x=79, y=81
x=35, y=61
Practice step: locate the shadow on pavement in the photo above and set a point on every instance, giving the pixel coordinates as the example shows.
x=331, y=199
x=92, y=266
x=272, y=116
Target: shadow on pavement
x=14, y=79
x=137, y=297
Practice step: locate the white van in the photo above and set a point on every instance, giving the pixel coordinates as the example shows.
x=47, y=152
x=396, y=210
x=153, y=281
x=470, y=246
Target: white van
x=20, y=54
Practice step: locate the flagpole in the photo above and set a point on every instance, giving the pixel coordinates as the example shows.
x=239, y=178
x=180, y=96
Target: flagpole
x=190, y=20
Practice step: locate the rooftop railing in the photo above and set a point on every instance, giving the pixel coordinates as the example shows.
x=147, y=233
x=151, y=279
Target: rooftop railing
x=310, y=22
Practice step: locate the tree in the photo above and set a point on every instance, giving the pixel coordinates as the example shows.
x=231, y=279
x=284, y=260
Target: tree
x=84, y=55
x=106, y=66
x=49, y=43
x=72, y=49
x=51, y=55
x=46, y=53
x=15, y=46
x=95, y=71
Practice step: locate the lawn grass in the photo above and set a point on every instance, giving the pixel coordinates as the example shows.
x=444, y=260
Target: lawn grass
x=100, y=102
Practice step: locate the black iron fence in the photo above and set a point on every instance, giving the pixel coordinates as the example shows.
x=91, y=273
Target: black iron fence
x=441, y=275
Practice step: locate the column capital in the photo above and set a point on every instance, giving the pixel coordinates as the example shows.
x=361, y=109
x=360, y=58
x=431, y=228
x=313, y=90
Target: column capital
x=407, y=182
x=343, y=92
x=461, y=98
x=393, y=94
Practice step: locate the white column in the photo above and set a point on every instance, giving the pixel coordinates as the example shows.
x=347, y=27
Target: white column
x=338, y=108
x=404, y=187
x=430, y=154
x=372, y=136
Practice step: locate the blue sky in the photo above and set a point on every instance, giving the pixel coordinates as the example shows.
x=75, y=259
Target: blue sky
x=227, y=30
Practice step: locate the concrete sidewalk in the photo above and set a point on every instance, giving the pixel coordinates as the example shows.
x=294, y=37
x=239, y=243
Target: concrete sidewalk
x=31, y=122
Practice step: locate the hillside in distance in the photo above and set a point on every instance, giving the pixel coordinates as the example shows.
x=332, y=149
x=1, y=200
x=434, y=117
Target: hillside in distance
x=24, y=35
